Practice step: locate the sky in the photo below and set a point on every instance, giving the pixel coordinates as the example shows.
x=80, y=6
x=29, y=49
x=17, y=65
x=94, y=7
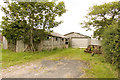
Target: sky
x=76, y=11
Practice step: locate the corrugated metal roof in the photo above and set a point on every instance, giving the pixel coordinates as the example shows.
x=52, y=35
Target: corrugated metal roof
x=58, y=35
x=75, y=34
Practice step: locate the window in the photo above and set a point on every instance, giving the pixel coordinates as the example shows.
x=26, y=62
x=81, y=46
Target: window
x=47, y=37
x=62, y=39
x=56, y=39
x=66, y=42
x=66, y=39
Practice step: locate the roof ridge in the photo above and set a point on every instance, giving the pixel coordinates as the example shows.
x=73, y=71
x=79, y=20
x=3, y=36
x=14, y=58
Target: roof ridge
x=76, y=33
x=58, y=35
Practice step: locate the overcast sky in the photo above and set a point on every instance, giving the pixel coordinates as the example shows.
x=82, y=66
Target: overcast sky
x=76, y=10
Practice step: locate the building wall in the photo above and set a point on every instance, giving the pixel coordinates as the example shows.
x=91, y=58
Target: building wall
x=84, y=42
x=20, y=46
x=53, y=42
x=80, y=42
x=95, y=42
x=48, y=44
x=5, y=43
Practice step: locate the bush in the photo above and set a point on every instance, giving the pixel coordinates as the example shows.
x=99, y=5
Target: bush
x=111, y=44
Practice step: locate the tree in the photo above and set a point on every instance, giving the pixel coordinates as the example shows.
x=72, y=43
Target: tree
x=100, y=17
x=111, y=44
x=23, y=18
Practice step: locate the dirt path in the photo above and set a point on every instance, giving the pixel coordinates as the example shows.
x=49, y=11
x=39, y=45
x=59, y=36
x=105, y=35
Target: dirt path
x=47, y=69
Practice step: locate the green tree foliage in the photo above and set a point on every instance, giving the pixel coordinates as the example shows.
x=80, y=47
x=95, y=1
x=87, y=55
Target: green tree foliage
x=101, y=16
x=104, y=19
x=24, y=18
x=111, y=43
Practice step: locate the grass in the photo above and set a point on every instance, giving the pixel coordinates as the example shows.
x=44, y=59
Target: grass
x=10, y=58
x=1, y=55
x=98, y=67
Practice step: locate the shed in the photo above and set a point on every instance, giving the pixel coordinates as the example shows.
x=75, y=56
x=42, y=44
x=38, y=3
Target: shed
x=52, y=41
x=78, y=40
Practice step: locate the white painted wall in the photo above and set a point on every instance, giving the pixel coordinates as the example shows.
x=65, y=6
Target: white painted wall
x=5, y=44
x=95, y=42
x=20, y=46
x=80, y=42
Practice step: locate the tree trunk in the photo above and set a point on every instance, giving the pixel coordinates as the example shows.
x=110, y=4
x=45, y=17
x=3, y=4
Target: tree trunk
x=31, y=33
x=31, y=40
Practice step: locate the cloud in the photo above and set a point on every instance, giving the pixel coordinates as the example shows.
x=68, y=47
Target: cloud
x=76, y=10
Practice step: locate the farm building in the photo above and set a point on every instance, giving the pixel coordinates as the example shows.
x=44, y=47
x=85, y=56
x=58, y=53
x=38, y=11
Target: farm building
x=78, y=40
x=54, y=40
x=3, y=41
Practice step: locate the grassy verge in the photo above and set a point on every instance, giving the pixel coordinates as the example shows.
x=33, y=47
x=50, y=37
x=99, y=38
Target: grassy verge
x=10, y=58
x=0, y=55
x=98, y=67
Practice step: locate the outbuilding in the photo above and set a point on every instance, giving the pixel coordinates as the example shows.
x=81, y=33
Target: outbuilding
x=78, y=40
x=52, y=41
